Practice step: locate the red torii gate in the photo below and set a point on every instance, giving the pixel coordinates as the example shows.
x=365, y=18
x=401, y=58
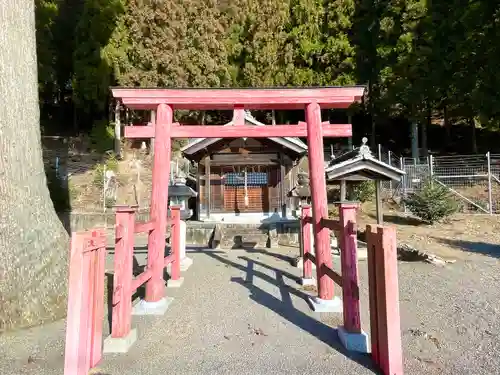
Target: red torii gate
x=312, y=100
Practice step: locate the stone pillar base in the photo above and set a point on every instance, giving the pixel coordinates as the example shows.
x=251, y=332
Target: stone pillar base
x=120, y=344
x=152, y=308
x=306, y=282
x=175, y=283
x=186, y=263
x=355, y=342
x=323, y=305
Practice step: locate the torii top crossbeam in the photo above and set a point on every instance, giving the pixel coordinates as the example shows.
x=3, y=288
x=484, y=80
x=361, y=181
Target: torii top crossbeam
x=220, y=98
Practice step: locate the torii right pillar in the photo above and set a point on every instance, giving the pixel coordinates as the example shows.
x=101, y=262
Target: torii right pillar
x=325, y=301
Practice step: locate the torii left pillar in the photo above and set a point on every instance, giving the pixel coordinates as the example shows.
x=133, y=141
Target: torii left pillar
x=155, y=302
x=325, y=301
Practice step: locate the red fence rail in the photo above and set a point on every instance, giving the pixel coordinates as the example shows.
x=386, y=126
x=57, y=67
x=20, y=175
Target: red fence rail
x=85, y=302
x=348, y=243
x=124, y=284
x=384, y=299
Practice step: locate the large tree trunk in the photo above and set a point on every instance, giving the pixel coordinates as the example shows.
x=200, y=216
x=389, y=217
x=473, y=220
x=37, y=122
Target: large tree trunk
x=33, y=242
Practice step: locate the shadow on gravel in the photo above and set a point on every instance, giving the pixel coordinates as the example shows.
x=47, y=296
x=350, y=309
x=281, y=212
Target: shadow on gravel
x=488, y=249
x=284, y=306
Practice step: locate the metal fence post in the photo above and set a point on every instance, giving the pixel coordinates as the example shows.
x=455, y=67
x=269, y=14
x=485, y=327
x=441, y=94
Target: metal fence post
x=403, y=181
x=490, y=199
x=389, y=157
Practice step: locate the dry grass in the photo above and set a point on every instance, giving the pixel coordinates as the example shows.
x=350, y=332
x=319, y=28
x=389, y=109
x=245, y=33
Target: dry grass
x=454, y=238
x=132, y=183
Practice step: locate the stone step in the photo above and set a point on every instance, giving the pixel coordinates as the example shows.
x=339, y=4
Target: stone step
x=244, y=241
x=235, y=236
x=245, y=231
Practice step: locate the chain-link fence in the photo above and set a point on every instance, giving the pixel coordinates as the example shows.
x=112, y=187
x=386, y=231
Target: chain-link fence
x=473, y=179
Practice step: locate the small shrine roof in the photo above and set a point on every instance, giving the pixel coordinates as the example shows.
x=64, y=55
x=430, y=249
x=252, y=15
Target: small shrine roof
x=359, y=165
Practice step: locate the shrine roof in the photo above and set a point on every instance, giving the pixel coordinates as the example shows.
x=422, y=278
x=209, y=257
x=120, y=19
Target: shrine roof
x=360, y=164
x=292, y=143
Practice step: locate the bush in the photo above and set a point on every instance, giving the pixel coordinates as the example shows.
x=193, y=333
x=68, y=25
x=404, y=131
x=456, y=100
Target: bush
x=110, y=164
x=102, y=136
x=363, y=192
x=432, y=203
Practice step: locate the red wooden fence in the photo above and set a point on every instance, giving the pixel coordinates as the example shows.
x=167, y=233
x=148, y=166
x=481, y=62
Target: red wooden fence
x=348, y=243
x=85, y=302
x=384, y=299
x=124, y=284
x=86, y=286
x=386, y=347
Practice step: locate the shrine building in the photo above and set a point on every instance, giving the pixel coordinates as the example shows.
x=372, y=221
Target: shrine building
x=245, y=179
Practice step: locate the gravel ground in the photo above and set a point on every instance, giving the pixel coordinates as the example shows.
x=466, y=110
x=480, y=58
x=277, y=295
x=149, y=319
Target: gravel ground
x=243, y=312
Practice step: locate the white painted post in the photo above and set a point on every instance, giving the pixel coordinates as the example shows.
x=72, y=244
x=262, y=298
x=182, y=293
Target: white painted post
x=490, y=199
x=431, y=166
x=152, y=122
x=389, y=157
x=118, y=130
x=104, y=188
x=403, y=180
x=349, y=139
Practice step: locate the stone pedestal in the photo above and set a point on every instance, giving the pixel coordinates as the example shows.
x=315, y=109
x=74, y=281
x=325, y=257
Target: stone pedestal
x=185, y=261
x=175, y=283
x=273, y=236
x=354, y=342
x=119, y=344
x=152, y=308
x=322, y=305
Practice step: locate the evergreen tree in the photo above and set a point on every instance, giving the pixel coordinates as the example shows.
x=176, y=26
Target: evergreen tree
x=170, y=43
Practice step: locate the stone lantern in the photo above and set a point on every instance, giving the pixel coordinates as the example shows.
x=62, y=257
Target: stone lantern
x=300, y=193
x=179, y=194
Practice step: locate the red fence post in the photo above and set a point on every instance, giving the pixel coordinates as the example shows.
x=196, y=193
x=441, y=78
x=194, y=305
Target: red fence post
x=75, y=361
x=305, y=227
x=349, y=264
x=319, y=202
x=99, y=260
x=159, y=202
x=384, y=300
x=175, y=243
x=123, y=267
x=372, y=244
x=83, y=348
